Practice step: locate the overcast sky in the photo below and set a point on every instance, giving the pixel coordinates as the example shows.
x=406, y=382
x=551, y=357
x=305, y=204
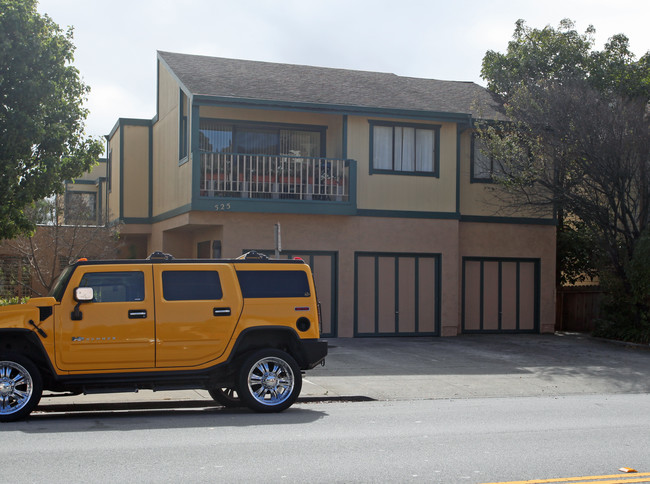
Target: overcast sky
x=117, y=40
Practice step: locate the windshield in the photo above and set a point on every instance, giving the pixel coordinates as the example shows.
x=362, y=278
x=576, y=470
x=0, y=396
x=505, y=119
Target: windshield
x=61, y=283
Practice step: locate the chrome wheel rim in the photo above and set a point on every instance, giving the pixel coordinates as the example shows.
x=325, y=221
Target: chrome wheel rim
x=16, y=387
x=271, y=381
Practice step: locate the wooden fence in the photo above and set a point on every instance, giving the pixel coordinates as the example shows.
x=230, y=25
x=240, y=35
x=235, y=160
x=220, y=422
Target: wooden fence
x=577, y=308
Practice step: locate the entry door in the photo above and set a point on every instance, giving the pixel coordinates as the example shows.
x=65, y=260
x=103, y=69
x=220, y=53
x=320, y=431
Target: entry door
x=500, y=295
x=115, y=330
x=197, y=309
x=396, y=294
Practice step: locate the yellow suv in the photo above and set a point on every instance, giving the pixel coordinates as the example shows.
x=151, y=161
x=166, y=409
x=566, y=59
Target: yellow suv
x=244, y=329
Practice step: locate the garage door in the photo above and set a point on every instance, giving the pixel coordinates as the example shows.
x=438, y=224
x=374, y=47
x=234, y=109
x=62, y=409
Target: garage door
x=396, y=294
x=324, y=266
x=500, y=295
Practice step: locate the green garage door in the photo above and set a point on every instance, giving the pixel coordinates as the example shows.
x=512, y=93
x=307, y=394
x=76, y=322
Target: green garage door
x=396, y=294
x=500, y=295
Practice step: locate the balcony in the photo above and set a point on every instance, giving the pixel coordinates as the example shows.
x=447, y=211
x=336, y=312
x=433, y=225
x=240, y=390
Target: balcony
x=276, y=177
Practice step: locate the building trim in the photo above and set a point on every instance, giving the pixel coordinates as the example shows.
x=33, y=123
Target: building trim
x=223, y=101
x=508, y=220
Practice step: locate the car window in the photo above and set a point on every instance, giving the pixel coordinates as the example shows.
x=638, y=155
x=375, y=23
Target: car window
x=191, y=285
x=115, y=286
x=262, y=284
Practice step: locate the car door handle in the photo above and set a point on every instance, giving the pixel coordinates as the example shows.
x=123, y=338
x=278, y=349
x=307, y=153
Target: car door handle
x=221, y=312
x=137, y=314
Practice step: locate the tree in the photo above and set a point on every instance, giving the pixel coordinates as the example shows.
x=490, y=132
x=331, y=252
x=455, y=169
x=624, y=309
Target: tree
x=42, y=141
x=578, y=143
x=66, y=232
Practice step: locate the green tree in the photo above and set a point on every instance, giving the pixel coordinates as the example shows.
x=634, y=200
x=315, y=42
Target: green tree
x=42, y=140
x=578, y=143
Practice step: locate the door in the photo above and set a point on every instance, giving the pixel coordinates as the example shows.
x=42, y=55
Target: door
x=500, y=295
x=396, y=294
x=197, y=309
x=115, y=330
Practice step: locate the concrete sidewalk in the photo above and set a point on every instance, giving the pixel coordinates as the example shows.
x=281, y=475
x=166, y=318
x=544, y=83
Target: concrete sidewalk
x=467, y=366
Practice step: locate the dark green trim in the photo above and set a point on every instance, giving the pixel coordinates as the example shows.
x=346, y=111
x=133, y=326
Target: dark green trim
x=171, y=213
x=459, y=133
x=121, y=165
x=183, y=127
x=329, y=108
x=128, y=122
x=436, y=156
x=150, y=198
x=417, y=257
x=500, y=260
x=508, y=220
x=121, y=123
x=82, y=182
x=363, y=212
x=253, y=205
x=344, y=137
x=100, y=206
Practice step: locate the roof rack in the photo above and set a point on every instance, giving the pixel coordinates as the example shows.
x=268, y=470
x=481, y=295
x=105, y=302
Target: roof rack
x=160, y=256
x=253, y=254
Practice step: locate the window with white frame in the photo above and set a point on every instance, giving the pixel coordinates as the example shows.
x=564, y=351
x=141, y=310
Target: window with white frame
x=404, y=148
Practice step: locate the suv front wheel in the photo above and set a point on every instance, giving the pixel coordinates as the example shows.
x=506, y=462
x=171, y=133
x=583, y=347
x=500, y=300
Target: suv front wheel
x=269, y=381
x=21, y=387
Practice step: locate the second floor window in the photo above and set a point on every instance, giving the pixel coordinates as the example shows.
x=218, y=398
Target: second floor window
x=217, y=136
x=483, y=165
x=409, y=149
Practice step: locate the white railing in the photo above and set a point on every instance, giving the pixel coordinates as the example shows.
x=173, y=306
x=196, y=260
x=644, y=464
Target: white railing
x=274, y=177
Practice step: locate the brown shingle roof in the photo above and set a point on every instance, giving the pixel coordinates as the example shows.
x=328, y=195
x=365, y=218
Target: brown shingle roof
x=288, y=83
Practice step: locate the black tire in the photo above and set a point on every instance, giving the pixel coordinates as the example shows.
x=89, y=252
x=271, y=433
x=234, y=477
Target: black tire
x=269, y=380
x=227, y=397
x=21, y=387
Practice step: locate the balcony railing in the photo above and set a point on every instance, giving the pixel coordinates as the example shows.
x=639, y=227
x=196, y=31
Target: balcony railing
x=274, y=177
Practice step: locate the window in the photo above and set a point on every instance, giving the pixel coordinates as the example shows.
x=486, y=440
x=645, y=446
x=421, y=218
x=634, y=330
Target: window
x=482, y=164
x=115, y=286
x=217, y=136
x=191, y=285
x=183, y=127
x=80, y=208
x=260, y=284
x=411, y=149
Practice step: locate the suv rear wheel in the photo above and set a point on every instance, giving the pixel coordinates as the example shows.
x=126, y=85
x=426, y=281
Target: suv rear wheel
x=21, y=387
x=269, y=381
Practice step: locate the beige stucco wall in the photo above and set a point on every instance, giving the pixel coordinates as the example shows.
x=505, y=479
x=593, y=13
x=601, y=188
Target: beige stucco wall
x=517, y=241
x=403, y=192
x=172, y=183
x=135, y=161
x=114, y=166
x=485, y=199
x=343, y=234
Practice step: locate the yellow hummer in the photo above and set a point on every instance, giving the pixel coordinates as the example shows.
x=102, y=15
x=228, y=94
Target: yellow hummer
x=244, y=329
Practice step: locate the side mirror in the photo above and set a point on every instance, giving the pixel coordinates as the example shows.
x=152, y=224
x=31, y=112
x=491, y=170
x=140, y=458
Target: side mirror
x=84, y=294
x=81, y=294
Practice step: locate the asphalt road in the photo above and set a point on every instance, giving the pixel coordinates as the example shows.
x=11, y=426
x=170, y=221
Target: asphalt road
x=427, y=440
